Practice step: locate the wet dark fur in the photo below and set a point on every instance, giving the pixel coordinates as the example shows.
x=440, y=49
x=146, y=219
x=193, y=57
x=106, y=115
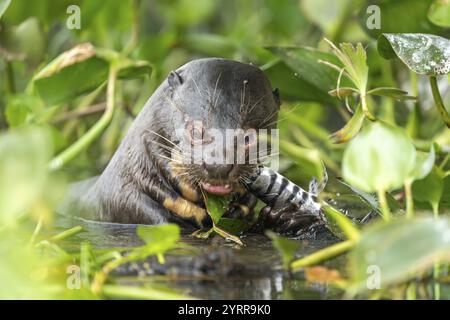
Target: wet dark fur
x=221, y=93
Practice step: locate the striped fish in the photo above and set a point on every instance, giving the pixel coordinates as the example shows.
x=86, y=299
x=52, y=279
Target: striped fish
x=277, y=191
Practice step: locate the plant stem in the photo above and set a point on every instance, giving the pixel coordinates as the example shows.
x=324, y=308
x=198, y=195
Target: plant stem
x=409, y=199
x=66, y=234
x=437, y=286
x=344, y=223
x=411, y=291
x=10, y=82
x=438, y=101
x=365, y=109
x=131, y=292
x=323, y=254
x=82, y=143
x=384, y=205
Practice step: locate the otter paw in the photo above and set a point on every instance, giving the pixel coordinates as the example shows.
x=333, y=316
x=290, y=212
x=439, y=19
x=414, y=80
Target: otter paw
x=289, y=221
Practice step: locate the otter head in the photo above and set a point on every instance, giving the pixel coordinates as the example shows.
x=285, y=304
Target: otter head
x=227, y=109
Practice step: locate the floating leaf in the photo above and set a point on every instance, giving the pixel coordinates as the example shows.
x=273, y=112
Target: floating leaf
x=351, y=129
x=398, y=250
x=439, y=13
x=422, y=53
x=381, y=157
x=391, y=92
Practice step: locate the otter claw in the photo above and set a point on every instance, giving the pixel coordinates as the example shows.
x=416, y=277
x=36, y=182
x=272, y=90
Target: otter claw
x=288, y=221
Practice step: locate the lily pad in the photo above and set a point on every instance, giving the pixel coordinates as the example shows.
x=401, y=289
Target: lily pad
x=423, y=53
x=399, y=249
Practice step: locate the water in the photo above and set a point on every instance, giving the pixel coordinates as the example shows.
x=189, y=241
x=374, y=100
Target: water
x=215, y=268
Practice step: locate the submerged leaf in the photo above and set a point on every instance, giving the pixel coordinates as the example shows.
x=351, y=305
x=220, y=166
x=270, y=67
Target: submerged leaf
x=422, y=53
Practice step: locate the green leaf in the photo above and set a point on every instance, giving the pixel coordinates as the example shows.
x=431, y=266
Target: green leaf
x=216, y=206
x=395, y=93
x=23, y=170
x=429, y=189
x=423, y=53
x=285, y=247
x=21, y=107
x=424, y=164
x=4, y=4
x=158, y=238
x=71, y=74
x=27, y=40
x=351, y=129
x=305, y=62
x=344, y=223
x=81, y=70
x=401, y=16
x=398, y=250
x=328, y=15
x=233, y=226
x=381, y=157
x=439, y=13
x=294, y=88
x=342, y=92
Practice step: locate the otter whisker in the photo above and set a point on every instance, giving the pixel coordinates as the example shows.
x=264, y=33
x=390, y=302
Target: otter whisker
x=173, y=104
x=161, y=136
x=214, y=92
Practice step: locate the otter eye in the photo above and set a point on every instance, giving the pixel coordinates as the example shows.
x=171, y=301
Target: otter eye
x=197, y=132
x=250, y=139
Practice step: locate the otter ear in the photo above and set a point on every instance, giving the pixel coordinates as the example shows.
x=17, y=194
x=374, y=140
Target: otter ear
x=174, y=79
x=276, y=96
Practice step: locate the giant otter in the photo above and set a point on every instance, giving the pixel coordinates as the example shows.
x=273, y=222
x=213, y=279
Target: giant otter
x=145, y=184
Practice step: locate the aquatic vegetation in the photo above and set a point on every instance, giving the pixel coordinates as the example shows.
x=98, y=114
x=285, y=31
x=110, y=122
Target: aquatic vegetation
x=369, y=104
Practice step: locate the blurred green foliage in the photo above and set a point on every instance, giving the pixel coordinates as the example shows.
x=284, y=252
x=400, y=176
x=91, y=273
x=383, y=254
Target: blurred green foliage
x=57, y=84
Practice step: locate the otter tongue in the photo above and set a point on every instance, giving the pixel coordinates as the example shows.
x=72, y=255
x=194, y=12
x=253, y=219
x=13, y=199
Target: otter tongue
x=217, y=189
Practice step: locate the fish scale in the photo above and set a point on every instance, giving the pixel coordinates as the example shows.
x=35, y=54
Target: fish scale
x=277, y=191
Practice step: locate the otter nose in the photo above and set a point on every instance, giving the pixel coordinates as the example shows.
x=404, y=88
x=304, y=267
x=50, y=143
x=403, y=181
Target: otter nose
x=218, y=171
